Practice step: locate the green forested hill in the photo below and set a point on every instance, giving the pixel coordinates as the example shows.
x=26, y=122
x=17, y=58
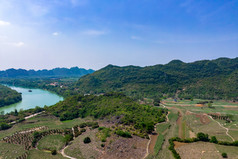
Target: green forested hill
x=215, y=79
x=8, y=96
x=116, y=106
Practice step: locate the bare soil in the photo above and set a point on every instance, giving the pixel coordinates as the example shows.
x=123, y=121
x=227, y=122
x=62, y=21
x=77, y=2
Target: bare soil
x=178, y=144
x=203, y=118
x=198, y=150
x=126, y=148
x=153, y=139
x=179, y=123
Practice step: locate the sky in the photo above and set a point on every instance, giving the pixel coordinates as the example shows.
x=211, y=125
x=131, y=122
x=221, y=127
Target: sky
x=44, y=34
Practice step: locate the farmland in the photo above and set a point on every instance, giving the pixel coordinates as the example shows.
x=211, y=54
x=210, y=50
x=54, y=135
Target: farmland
x=184, y=119
x=195, y=119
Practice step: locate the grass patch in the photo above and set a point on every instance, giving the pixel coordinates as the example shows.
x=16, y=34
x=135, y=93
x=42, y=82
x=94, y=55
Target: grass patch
x=158, y=144
x=36, y=154
x=103, y=133
x=173, y=116
x=9, y=151
x=162, y=127
x=51, y=142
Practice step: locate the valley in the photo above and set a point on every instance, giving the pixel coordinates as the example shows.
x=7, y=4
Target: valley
x=130, y=122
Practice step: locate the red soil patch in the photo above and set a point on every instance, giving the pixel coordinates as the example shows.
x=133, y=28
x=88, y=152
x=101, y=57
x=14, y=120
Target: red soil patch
x=203, y=118
x=152, y=143
x=178, y=144
x=179, y=123
x=199, y=105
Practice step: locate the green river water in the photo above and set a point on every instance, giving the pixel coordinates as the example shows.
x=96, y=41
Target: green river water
x=37, y=97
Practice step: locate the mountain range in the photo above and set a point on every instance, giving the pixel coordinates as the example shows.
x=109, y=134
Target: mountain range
x=206, y=79
x=56, y=72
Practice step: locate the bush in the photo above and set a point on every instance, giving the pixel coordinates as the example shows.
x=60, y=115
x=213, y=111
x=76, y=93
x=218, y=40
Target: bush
x=95, y=126
x=53, y=152
x=102, y=145
x=171, y=147
x=87, y=140
x=125, y=134
x=224, y=155
x=82, y=125
x=36, y=134
x=83, y=130
x=68, y=138
x=214, y=139
x=101, y=128
x=202, y=137
x=4, y=126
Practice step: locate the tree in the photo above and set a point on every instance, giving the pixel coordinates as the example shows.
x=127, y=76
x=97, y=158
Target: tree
x=87, y=140
x=202, y=137
x=53, y=152
x=15, y=112
x=149, y=127
x=209, y=105
x=156, y=102
x=68, y=138
x=224, y=155
x=4, y=126
x=214, y=139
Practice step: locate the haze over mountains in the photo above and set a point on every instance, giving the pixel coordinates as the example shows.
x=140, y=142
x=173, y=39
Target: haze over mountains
x=56, y=72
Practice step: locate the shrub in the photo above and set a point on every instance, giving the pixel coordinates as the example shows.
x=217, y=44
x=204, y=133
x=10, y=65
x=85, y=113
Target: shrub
x=101, y=128
x=125, y=134
x=224, y=155
x=36, y=134
x=68, y=138
x=102, y=145
x=53, y=152
x=214, y=139
x=4, y=126
x=202, y=137
x=95, y=126
x=87, y=140
x=82, y=125
x=83, y=130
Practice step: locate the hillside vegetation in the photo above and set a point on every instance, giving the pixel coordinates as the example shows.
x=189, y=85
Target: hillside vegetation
x=8, y=96
x=215, y=79
x=114, y=106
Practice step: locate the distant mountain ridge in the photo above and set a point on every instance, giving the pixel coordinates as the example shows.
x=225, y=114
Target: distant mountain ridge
x=56, y=72
x=207, y=79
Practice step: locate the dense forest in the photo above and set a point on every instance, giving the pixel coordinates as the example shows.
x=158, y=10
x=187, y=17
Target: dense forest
x=8, y=96
x=207, y=79
x=117, y=107
x=57, y=72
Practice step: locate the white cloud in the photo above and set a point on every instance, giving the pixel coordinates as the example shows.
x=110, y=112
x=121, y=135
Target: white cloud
x=94, y=32
x=18, y=44
x=4, y=23
x=136, y=38
x=55, y=33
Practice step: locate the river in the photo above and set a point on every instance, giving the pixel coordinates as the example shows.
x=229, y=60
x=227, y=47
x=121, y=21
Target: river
x=37, y=97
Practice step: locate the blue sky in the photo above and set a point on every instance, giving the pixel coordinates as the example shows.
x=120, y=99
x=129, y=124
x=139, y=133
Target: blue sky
x=94, y=33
